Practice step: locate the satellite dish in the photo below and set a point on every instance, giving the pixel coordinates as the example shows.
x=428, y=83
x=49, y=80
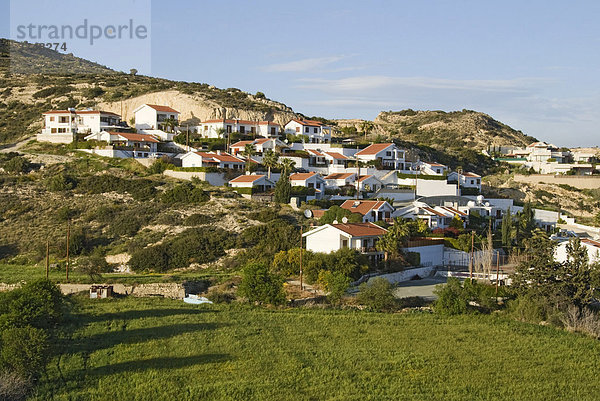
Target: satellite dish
x=344, y=219
x=308, y=213
x=335, y=222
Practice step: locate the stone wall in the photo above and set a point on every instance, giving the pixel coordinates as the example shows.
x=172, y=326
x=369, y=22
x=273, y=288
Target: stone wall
x=577, y=181
x=166, y=290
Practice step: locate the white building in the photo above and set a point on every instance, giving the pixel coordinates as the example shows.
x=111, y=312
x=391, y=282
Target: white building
x=466, y=180
x=431, y=168
x=309, y=180
x=329, y=238
x=61, y=126
x=212, y=159
x=220, y=128
x=592, y=247
x=316, y=131
x=371, y=210
x=259, y=183
x=140, y=145
x=337, y=180
x=153, y=117
x=260, y=146
x=369, y=183
x=386, y=154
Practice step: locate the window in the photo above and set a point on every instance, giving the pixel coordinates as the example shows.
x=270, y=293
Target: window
x=273, y=132
x=242, y=129
x=53, y=130
x=297, y=129
x=388, y=153
x=311, y=185
x=226, y=165
x=306, y=129
x=206, y=128
x=344, y=243
x=51, y=118
x=253, y=130
x=63, y=120
x=62, y=130
x=318, y=185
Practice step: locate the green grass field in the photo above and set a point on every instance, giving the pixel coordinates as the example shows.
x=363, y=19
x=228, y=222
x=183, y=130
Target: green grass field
x=11, y=274
x=157, y=349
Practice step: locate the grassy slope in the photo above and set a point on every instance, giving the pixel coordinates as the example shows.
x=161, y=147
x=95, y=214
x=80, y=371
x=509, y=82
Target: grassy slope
x=147, y=349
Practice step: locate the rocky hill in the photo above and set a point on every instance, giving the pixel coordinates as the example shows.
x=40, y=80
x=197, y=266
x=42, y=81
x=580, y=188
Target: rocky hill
x=51, y=80
x=442, y=130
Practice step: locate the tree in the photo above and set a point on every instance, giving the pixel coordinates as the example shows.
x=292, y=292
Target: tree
x=93, y=266
x=335, y=284
x=25, y=350
x=248, y=152
x=133, y=71
x=337, y=213
x=507, y=228
x=287, y=165
x=220, y=132
x=366, y=127
x=457, y=223
x=283, y=188
x=525, y=223
x=270, y=160
x=169, y=124
x=260, y=285
x=378, y=295
x=259, y=95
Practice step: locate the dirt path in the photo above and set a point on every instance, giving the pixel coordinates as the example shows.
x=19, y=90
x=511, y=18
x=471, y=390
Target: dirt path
x=14, y=147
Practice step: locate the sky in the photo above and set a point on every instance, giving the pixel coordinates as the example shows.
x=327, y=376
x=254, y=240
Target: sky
x=533, y=65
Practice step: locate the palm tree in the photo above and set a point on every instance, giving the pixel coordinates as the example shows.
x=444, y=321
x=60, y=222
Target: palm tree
x=366, y=126
x=220, y=132
x=270, y=160
x=248, y=152
x=169, y=123
x=287, y=165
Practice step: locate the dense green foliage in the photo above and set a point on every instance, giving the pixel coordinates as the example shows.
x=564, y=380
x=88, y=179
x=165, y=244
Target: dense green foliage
x=184, y=193
x=337, y=213
x=377, y=295
x=261, y=285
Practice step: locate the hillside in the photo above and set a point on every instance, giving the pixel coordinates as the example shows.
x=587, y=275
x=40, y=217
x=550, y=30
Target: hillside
x=56, y=81
x=443, y=130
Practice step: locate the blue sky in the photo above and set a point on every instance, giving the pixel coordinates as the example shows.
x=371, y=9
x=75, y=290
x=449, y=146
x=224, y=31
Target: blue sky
x=533, y=65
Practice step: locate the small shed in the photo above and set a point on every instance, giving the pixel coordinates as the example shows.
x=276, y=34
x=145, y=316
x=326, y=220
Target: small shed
x=101, y=291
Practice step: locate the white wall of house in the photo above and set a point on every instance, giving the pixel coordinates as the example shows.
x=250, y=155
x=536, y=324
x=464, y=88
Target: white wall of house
x=431, y=255
x=147, y=117
x=561, y=255
x=434, y=187
x=326, y=240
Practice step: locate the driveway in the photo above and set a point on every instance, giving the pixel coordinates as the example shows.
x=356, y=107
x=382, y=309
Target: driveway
x=419, y=288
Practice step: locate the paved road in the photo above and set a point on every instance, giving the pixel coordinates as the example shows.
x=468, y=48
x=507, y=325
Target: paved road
x=419, y=288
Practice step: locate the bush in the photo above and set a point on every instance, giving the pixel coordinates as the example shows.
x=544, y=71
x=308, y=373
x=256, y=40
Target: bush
x=25, y=350
x=185, y=193
x=159, y=166
x=13, y=387
x=335, y=284
x=93, y=266
x=260, y=285
x=452, y=300
x=197, y=219
x=16, y=165
x=378, y=295
x=153, y=258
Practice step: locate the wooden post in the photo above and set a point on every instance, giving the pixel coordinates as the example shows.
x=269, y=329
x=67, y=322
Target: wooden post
x=357, y=175
x=497, y=274
x=47, y=257
x=68, y=243
x=471, y=258
x=301, y=250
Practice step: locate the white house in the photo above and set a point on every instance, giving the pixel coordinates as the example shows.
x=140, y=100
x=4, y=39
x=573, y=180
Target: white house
x=432, y=168
x=212, y=159
x=316, y=131
x=369, y=183
x=543, y=152
x=153, y=116
x=371, y=210
x=260, y=145
x=386, y=154
x=61, y=126
x=259, y=182
x=336, y=160
x=465, y=180
x=219, y=128
x=434, y=216
x=329, y=238
x=141, y=145
x=337, y=180
x=309, y=180
x=592, y=247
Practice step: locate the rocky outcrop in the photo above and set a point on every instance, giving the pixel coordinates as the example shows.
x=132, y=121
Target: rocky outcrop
x=191, y=106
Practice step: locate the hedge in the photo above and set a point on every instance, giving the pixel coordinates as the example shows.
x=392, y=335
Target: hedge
x=422, y=176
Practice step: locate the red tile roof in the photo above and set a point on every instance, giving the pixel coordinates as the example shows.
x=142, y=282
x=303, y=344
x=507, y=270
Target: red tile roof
x=165, y=109
x=361, y=229
x=339, y=176
x=374, y=148
x=364, y=177
x=337, y=156
x=436, y=164
x=247, y=178
x=453, y=210
x=301, y=176
x=136, y=137
x=223, y=157
x=361, y=206
x=244, y=122
x=433, y=211
x=241, y=144
x=315, y=152
x=80, y=112
x=471, y=175
x=309, y=123
x=591, y=242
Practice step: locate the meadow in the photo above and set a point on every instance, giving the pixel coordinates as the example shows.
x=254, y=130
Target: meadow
x=149, y=349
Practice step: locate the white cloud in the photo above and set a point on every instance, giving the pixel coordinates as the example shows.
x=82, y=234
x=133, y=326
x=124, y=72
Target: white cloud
x=304, y=65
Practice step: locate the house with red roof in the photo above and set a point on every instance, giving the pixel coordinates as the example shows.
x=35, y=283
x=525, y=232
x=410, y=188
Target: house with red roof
x=465, y=180
x=128, y=143
x=369, y=183
x=61, y=126
x=311, y=181
x=154, y=116
x=591, y=246
x=434, y=216
x=260, y=145
x=371, y=210
x=256, y=183
x=338, y=180
x=362, y=237
x=212, y=159
x=315, y=131
x=384, y=155
x=432, y=168
x=221, y=127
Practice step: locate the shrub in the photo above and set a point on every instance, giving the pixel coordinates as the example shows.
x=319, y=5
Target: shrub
x=260, y=285
x=378, y=295
x=452, y=300
x=25, y=350
x=39, y=304
x=185, y=193
x=197, y=219
x=582, y=320
x=335, y=284
x=93, y=266
x=159, y=166
x=153, y=258
x=13, y=386
x=53, y=91
x=16, y=165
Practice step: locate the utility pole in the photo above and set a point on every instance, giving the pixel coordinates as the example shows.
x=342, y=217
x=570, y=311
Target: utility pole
x=187, y=137
x=301, y=251
x=68, y=243
x=497, y=274
x=47, y=257
x=357, y=174
x=471, y=259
